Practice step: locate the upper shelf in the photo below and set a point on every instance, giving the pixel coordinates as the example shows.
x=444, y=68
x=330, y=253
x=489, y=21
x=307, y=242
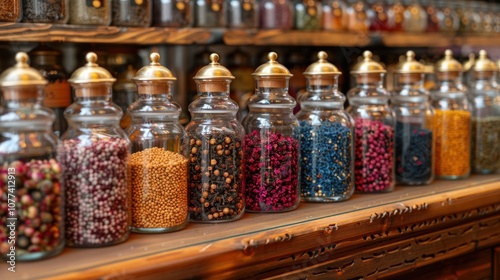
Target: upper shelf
x=39, y=32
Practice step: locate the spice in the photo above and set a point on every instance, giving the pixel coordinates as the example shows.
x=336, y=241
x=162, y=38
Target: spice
x=131, y=13
x=97, y=191
x=413, y=154
x=10, y=10
x=271, y=171
x=95, y=12
x=216, y=177
x=210, y=13
x=38, y=206
x=374, y=148
x=159, y=189
x=44, y=11
x=176, y=13
x=485, y=144
x=452, y=152
x=241, y=14
x=326, y=157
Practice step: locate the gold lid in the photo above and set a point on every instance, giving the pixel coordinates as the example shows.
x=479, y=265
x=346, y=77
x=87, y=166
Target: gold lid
x=91, y=72
x=21, y=74
x=367, y=65
x=154, y=71
x=322, y=67
x=483, y=64
x=448, y=63
x=410, y=65
x=213, y=70
x=272, y=68
x=469, y=63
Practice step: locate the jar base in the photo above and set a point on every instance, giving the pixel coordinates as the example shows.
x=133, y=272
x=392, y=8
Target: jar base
x=93, y=245
x=327, y=199
x=158, y=230
x=215, y=221
x=486, y=171
x=452, y=177
x=28, y=257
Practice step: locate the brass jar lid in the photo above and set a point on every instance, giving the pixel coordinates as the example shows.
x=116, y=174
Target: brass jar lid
x=154, y=71
x=410, y=65
x=322, y=67
x=21, y=74
x=272, y=68
x=484, y=64
x=213, y=70
x=448, y=63
x=91, y=72
x=368, y=65
x=469, y=63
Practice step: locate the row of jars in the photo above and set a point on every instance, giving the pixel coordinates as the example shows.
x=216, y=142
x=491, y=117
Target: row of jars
x=99, y=182
x=338, y=15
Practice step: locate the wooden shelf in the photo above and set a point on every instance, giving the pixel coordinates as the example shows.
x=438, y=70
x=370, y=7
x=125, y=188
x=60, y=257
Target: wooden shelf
x=368, y=236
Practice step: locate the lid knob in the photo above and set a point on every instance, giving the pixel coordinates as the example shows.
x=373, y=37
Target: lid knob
x=410, y=65
x=155, y=59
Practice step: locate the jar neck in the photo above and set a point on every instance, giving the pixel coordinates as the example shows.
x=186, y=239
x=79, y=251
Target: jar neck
x=322, y=83
x=95, y=91
x=16, y=97
x=148, y=89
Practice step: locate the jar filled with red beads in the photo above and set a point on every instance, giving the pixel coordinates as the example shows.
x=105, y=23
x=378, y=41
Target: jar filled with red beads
x=451, y=121
x=374, y=128
x=159, y=164
x=32, y=200
x=216, y=182
x=414, y=114
x=94, y=158
x=271, y=142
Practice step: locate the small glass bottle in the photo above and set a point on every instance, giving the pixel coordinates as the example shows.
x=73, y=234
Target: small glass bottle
x=374, y=128
x=216, y=178
x=54, y=11
x=242, y=13
x=414, y=114
x=94, y=158
x=173, y=13
x=484, y=97
x=209, y=13
x=272, y=142
x=334, y=15
x=451, y=121
x=357, y=16
x=326, y=137
x=95, y=12
x=379, y=19
x=307, y=15
x=159, y=154
x=415, y=17
x=11, y=11
x=395, y=14
x=29, y=171
x=57, y=93
x=132, y=13
x=276, y=14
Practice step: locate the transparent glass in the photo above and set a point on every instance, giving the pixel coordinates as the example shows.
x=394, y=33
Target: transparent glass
x=451, y=127
x=448, y=19
x=415, y=17
x=95, y=12
x=173, y=13
x=276, y=14
x=210, y=13
x=326, y=142
x=54, y=11
x=10, y=10
x=96, y=174
x=334, y=16
x=132, y=12
x=216, y=167
x=379, y=20
x=159, y=161
x=373, y=134
x=395, y=14
x=485, y=124
x=242, y=13
x=29, y=177
x=307, y=15
x=414, y=133
x=357, y=16
x=432, y=15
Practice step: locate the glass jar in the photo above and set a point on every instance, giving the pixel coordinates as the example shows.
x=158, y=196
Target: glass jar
x=379, y=20
x=94, y=158
x=414, y=114
x=125, y=93
x=32, y=201
x=55, y=11
x=374, y=128
x=451, y=121
x=57, y=93
x=272, y=142
x=307, y=15
x=486, y=13
x=448, y=19
x=210, y=13
x=159, y=154
x=432, y=15
x=132, y=13
x=11, y=11
x=241, y=13
x=334, y=15
x=415, y=17
x=95, y=12
x=396, y=14
x=357, y=16
x=216, y=181
x=326, y=137
x=276, y=14
x=173, y=13
x=484, y=98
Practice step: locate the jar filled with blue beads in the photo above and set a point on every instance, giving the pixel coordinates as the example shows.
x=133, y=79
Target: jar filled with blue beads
x=326, y=136
x=414, y=137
